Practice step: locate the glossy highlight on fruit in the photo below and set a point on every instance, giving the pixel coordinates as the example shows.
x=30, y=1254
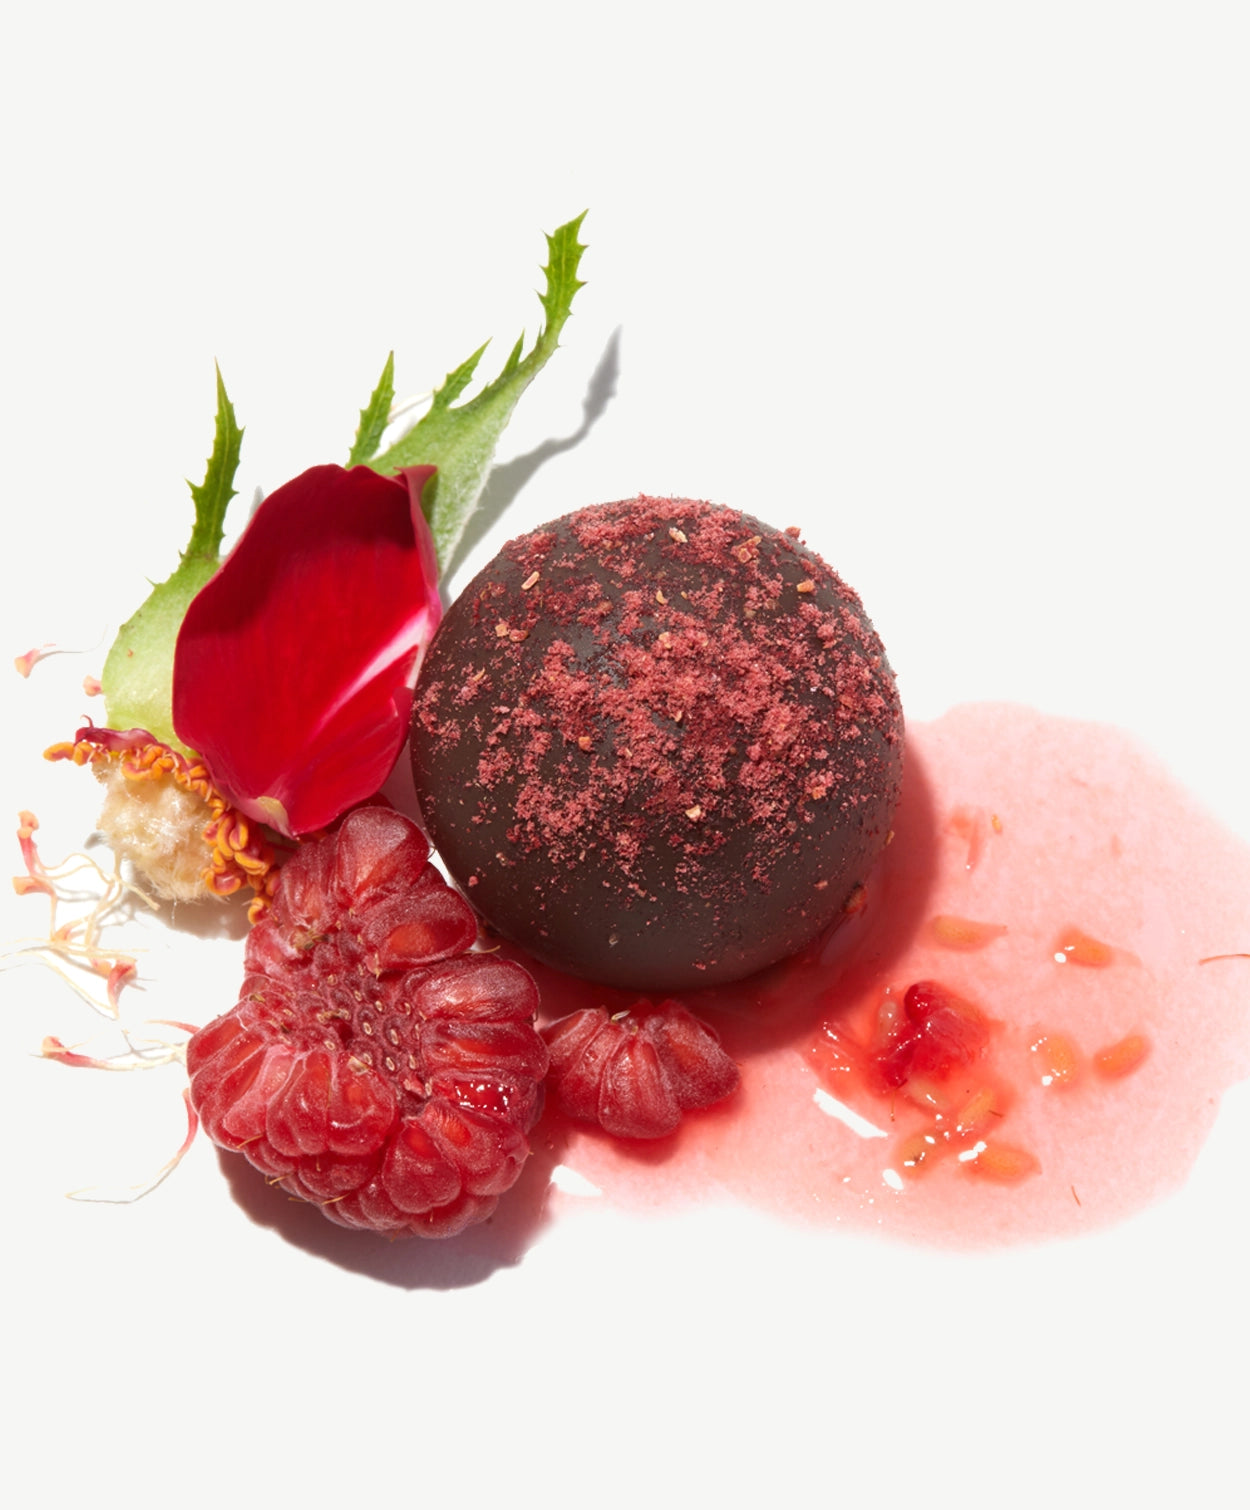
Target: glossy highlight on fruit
x=372, y=1065
x=658, y=744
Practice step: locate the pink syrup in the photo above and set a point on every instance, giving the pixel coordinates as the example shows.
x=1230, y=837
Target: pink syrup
x=1055, y=877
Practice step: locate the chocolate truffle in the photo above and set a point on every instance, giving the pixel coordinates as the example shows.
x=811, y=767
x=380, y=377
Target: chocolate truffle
x=658, y=743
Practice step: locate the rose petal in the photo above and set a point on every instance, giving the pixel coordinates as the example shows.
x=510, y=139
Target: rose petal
x=294, y=667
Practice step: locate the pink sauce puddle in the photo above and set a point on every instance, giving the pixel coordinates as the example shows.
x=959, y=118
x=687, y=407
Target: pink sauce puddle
x=1061, y=838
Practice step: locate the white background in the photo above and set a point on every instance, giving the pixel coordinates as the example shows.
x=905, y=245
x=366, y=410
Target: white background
x=960, y=288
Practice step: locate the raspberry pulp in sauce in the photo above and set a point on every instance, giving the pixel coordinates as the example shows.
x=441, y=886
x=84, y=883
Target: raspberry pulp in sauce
x=1023, y=1029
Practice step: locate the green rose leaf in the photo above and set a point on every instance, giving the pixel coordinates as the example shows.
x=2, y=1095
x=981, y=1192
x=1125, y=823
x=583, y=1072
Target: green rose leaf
x=139, y=670
x=461, y=441
x=374, y=417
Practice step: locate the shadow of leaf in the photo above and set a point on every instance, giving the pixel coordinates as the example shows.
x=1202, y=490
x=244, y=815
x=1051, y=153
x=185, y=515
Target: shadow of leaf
x=506, y=481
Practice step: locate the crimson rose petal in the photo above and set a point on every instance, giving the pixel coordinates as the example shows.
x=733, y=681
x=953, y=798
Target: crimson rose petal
x=294, y=667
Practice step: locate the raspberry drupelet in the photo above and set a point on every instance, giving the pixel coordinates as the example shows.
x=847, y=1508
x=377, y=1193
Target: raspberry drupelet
x=635, y=1073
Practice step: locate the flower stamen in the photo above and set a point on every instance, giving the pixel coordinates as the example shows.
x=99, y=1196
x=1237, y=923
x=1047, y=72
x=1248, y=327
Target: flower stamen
x=77, y=942
x=146, y=1187
x=25, y=664
x=238, y=854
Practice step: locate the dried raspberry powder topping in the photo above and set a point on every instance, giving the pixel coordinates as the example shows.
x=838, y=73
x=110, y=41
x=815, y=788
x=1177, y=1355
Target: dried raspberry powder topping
x=659, y=743
x=372, y=1065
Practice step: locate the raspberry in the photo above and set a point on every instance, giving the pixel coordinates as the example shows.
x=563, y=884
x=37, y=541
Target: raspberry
x=636, y=1072
x=372, y=1065
x=940, y=1033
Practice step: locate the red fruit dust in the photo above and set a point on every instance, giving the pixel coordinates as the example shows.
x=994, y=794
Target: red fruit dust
x=1023, y=1032
x=373, y=1066
x=660, y=743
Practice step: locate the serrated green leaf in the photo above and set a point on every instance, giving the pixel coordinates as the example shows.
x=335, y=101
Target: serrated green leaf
x=514, y=356
x=454, y=384
x=214, y=494
x=138, y=674
x=374, y=416
x=461, y=441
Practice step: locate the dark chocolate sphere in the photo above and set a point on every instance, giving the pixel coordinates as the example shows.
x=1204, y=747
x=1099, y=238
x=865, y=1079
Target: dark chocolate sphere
x=658, y=743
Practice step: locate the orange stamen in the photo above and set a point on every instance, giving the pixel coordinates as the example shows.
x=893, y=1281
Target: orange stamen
x=34, y=879
x=237, y=856
x=25, y=664
x=78, y=942
x=53, y=1048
